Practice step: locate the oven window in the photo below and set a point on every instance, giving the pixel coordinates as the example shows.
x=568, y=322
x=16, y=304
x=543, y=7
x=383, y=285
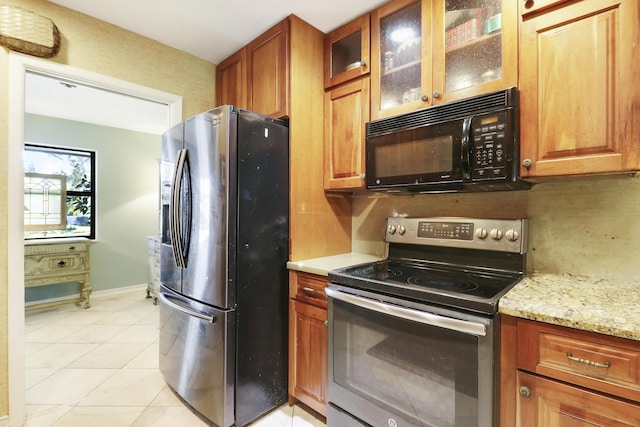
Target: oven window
x=425, y=374
x=411, y=154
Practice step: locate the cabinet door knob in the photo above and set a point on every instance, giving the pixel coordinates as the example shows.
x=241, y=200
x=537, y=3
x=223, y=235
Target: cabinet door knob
x=62, y=263
x=362, y=176
x=525, y=392
x=436, y=95
x=425, y=98
x=363, y=63
x=527, y=163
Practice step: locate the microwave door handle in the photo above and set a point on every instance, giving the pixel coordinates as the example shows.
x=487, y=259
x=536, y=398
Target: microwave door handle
x=465, y=149
x=431, y=319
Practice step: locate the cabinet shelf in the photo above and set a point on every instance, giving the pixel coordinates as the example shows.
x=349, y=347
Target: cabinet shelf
x=402, y=67
x=482, y=39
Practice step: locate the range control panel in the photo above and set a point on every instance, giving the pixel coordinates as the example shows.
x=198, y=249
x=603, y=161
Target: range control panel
x=506, y=235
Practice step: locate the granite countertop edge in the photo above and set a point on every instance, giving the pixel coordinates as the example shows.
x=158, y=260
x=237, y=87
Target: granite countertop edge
x=605, y=306
x=323, y=265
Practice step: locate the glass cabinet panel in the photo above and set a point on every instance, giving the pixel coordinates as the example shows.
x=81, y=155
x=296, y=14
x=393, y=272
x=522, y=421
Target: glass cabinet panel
x=400, y=57
x=346, y=53
x=473, y=42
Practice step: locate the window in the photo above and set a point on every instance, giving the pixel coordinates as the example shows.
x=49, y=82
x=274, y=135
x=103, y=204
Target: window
x=59, y=192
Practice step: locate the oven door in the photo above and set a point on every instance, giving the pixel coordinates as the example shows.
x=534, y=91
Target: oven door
x=397, y=364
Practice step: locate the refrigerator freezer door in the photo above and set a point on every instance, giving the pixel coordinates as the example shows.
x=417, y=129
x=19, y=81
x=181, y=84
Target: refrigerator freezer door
x=206, y=140
x=170, y=274
x=262, y=276
x=197, y=350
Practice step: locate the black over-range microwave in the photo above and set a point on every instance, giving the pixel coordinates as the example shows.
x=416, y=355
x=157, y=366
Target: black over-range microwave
x=466, y=145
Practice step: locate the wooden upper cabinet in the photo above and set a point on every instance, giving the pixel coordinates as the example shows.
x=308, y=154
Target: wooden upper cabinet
x=475, y=47
x=427, y=52
x=579, y=94
x=231, y=80
x=267, y=72
x=400, y=57
x=347, y=52
x=345, y=115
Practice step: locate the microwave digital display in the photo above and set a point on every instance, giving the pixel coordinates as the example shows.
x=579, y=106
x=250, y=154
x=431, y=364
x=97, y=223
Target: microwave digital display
x=415, y=156
x=489, y=120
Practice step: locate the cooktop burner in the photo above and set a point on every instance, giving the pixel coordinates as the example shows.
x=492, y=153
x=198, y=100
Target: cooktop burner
x=378, y=270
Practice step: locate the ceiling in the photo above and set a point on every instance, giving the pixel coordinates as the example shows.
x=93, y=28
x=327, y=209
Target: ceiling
x=53, y=97
x=214, y=29
x=209, y=29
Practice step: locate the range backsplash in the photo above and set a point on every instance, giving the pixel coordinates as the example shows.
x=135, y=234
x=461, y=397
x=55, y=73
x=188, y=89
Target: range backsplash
x=584, y=227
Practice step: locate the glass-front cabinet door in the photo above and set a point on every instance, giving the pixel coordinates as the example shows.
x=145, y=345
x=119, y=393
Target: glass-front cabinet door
x=401, y=65
x=426, y=52
x=475, y=47
x=347, y=52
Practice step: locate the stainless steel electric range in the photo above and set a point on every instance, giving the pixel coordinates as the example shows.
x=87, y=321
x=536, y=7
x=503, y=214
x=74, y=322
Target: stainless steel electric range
x=414, y=339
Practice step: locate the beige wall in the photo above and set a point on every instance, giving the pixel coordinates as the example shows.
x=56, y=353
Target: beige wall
x=587, y=227
x=99, y=47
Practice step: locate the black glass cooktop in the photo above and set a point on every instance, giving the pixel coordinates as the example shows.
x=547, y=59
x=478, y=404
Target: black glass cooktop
x=467, y=288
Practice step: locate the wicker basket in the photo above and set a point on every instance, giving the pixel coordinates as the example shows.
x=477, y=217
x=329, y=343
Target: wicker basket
x=27, y=32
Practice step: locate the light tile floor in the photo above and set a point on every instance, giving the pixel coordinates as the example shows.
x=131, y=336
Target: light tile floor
x=99, y=367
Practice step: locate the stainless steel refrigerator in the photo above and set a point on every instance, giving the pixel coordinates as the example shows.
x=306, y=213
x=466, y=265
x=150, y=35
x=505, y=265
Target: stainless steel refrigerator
x=225, y=235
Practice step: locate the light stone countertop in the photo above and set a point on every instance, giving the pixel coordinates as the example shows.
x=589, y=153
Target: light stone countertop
x=596, y=305
x=322, y=266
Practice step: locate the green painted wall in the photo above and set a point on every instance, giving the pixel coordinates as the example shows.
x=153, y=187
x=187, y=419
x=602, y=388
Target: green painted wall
x=127, y=198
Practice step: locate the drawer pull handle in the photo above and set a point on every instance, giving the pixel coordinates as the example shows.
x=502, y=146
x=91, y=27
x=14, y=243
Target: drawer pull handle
x=62, y=263
x=587, y=362
x=309, y=290
x=72, y=248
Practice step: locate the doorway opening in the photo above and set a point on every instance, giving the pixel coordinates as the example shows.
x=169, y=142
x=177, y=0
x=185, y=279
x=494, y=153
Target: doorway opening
x=19, y=67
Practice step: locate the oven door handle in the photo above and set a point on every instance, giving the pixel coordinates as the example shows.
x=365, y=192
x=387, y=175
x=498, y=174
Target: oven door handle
x=463, y=326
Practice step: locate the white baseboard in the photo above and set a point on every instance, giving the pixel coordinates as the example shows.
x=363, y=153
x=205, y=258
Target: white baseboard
x=4, y=421
x=118, y=291
x=105, y=293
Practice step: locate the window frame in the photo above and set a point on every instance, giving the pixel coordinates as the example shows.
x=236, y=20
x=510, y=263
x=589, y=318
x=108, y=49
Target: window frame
x=92, y=193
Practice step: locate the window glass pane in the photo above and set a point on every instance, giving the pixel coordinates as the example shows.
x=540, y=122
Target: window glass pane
x=45, y=201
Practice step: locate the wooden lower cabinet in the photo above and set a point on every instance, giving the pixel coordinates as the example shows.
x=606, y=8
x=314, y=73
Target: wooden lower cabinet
x=308, y=342
x=560, y=376
x=547, y=403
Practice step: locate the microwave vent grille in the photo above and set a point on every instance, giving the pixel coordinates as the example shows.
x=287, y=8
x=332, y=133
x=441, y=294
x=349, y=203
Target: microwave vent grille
x=440, y=113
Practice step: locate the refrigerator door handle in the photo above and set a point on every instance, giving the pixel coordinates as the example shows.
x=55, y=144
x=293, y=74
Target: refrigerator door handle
x=166, y=299
x=175, y=208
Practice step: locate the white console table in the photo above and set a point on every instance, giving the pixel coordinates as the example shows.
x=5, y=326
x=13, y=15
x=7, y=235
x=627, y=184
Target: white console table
x=58, y=261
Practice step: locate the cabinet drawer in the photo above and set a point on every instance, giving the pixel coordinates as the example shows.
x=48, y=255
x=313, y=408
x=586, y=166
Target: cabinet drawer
x=57, y=248
x=308, y=288
x=589, y=359
x=37, y=265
